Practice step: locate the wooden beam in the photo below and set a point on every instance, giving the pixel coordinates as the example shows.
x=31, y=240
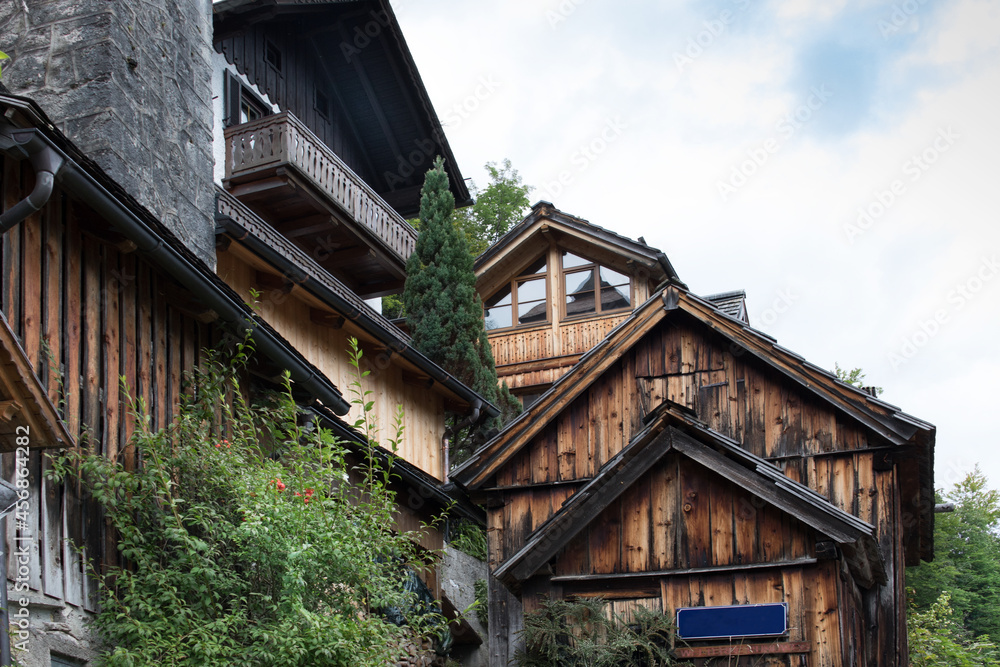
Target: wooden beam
x=326, y=319
x=345, y=115
x=9, y=409
x=733, y=650
x=372, y=97
x=273, y=283
x=257, y=186
x=417, y=379
x=659, y=574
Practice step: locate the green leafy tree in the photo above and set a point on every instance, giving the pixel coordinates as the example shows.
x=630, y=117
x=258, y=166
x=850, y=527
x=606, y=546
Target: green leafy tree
x=248, y=539
x=497, y=208
x=443, y=310
x=966, y=562
x=936, y=639
x=854, y=377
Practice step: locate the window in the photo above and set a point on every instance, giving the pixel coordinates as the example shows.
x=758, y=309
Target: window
x=523, y=301
x=272, y=55
x=242, y=105
x=592, y=288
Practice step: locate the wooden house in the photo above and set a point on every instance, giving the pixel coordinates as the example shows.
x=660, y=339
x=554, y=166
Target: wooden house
x=689, y=462
x=321, y=164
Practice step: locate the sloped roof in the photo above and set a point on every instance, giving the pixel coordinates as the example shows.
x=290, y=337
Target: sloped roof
x=23, y=401
x=886, y=421
x=671, y=429
x=545, y=218
x=246, y=228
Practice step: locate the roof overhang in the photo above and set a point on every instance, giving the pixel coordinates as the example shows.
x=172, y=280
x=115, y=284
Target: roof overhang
x=911, y=439
x=27, y=416
x=670, y=429
x=523, y=243
x=361, y=47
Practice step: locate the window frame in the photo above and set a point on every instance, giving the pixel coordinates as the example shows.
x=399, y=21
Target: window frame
x=237, y=93
x=596, y=267
x=512, y=286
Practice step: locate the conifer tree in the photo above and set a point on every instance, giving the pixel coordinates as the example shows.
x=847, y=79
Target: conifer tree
x=444, y=313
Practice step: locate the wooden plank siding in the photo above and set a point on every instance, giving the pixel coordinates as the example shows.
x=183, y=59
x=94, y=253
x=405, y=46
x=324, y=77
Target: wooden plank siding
x=327, y=349
x=83, y=312
x=681, y=516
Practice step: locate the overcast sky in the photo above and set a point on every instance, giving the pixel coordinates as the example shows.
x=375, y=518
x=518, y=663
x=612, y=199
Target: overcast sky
x=836, y=160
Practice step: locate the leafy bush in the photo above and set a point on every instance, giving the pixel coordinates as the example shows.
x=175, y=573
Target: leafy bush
x=245, y=542
x=935, y=638
x=483, y=602
x=468, y=537
x=567, y=633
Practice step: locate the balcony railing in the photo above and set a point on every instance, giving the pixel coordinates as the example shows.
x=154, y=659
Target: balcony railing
x=281, y=139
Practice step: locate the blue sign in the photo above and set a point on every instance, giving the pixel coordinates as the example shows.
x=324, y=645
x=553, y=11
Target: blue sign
x=745, y=620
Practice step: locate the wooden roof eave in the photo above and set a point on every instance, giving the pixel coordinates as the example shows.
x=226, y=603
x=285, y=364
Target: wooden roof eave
x=23, y=395
x=855, y=537
x=485, y=462
x=884, y=420
x=615, y=255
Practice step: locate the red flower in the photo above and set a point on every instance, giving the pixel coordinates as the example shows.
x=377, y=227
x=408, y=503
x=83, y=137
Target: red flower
x=281, y=487
x=218, y=445
x=309, y=493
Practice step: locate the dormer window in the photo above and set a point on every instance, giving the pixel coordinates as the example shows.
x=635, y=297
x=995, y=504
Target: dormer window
x=522, y=301
x=592, y=288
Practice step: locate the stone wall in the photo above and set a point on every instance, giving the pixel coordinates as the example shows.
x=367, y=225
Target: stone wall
x=130, y=83
x=459, y=573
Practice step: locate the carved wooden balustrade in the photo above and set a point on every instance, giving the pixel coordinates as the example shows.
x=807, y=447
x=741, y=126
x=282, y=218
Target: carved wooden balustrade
x=282, y=140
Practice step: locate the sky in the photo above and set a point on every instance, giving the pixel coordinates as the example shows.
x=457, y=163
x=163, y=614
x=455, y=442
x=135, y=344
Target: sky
x=837, y=160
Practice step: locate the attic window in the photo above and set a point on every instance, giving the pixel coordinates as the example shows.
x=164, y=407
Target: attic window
x=272, y=55
x=592, y=288
x=522, y=301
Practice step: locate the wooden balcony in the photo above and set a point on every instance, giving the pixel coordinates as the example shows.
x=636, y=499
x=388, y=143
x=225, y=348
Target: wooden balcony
x=292, y=180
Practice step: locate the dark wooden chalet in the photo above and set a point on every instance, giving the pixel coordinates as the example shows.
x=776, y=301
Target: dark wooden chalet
x=689, y=461
x=342, y=163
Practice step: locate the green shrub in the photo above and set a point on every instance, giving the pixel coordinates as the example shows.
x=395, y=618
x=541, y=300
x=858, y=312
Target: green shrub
x=580, y=633
x=468, y=537
x=482, y=589
x=244, y=542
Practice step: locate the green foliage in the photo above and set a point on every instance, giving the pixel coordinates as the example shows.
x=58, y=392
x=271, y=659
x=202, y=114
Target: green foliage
x=482, y=589
x=245, y=541
x=497, y=208
x=966, y=562
x=854, y=377
x=3, y=56
x=469, y=537
x=569, y=633
x=935, y=639
x=444, y=313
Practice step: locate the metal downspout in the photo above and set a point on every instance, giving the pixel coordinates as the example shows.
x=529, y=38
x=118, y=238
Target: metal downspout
x=46, y=162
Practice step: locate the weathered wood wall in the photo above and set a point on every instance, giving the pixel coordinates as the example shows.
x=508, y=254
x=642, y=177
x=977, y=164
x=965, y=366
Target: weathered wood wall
x=293, y=88
x=742, y=398
x=86, y=314
x=327, y=349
